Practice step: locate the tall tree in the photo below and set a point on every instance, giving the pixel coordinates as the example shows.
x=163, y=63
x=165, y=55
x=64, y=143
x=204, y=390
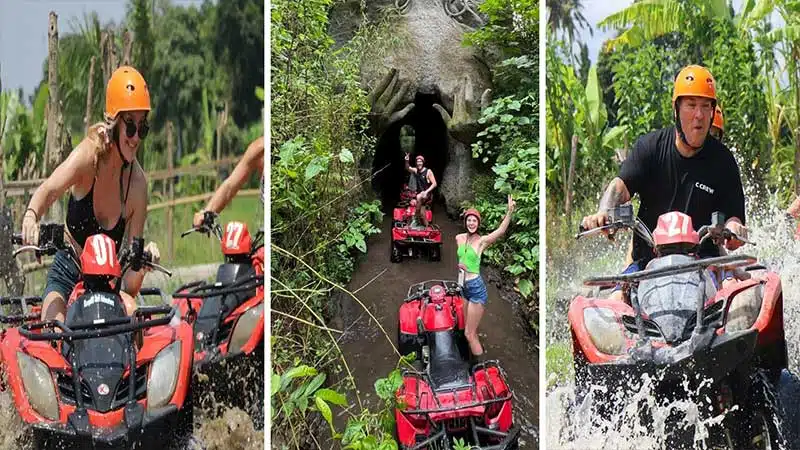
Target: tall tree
x=141, y=21
x=239, y=44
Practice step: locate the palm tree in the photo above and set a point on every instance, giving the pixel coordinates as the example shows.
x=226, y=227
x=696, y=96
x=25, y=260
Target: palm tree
x=566, y=16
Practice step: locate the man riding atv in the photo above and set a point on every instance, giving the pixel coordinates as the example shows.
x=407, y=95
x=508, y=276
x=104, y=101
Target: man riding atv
x=679, y=168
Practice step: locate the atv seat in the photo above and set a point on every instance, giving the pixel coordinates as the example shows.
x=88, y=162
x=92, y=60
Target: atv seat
x=447, y=369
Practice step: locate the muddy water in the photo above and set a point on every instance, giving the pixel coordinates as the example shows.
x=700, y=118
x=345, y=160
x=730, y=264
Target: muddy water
x=502, y=331
x=217, y=427
x=570, y=424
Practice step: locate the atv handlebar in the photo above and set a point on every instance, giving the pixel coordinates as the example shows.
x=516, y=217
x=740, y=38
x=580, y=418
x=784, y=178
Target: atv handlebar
x=209, y=225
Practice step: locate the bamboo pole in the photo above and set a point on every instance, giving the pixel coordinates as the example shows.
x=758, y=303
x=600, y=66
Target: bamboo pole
x=171, y=190
x=87, y=119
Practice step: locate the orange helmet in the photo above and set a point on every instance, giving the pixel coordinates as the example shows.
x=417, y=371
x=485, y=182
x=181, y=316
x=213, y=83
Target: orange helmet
x=694, y=81
x=126, y=91
x=718, y=121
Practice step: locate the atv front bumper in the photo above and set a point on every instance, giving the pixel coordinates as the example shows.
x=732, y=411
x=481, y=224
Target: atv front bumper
x=705, y=355
x=510, y=438
x=149, y=429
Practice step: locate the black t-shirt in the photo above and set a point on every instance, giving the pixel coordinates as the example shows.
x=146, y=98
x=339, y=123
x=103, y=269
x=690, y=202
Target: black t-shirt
x=667, y=181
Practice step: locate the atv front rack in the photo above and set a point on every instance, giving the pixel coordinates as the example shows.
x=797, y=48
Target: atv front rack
x=473, y=390
x=509, y=438
x=202, y=289
x=676, y=269
x=98, y=328
x=22, y=303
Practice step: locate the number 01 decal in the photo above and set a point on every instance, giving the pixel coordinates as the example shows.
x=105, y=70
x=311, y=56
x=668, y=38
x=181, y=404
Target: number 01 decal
x=233, y=234
x=103, y=250
x=677, y=224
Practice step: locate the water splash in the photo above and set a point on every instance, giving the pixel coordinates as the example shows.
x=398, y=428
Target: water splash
x=574, y=425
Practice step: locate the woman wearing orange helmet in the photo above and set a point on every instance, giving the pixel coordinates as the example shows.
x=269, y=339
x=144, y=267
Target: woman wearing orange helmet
x=717, y=126
x=107, y=190
x=470, y=248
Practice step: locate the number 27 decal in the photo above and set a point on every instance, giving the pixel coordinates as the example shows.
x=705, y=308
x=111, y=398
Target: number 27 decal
x=233, y=234
x=677, y=224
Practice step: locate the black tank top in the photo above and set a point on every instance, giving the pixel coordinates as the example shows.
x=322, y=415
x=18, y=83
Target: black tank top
x=82, y=223
x=422, y=179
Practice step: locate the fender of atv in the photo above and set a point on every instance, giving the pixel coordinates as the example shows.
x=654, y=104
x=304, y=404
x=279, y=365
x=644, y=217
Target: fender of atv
x=434, y=318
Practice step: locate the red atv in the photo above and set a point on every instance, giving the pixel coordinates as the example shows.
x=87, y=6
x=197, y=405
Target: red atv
x=101, y=378
x=228, y=314
x=406, y=194
x=446, y=397
x=406, y=238
x=682, y=323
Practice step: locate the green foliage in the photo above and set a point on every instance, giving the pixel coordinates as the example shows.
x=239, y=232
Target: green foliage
x=733, y=62
x=508, y=143
x=512, y=27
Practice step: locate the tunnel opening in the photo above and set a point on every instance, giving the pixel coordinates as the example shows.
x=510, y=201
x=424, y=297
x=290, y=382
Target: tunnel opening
x=430, y=141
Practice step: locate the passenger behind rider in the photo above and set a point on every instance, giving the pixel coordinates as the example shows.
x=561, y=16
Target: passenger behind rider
x=679, y=169
x=425, y=184
x=718, y=127
x=252, y=162
x=107, y=191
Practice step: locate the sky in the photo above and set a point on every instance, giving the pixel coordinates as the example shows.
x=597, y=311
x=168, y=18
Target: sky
x=23, y=33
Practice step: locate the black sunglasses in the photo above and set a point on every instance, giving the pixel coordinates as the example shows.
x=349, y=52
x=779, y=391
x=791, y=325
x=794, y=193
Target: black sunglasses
x=131, y=128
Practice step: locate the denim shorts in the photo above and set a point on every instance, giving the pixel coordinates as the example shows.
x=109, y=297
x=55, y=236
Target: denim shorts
x=62, y=276
x=475, y=291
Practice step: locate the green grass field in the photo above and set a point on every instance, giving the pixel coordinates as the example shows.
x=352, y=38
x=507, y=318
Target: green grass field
x=197, y=248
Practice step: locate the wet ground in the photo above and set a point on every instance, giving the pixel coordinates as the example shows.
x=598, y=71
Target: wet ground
x=382, y=285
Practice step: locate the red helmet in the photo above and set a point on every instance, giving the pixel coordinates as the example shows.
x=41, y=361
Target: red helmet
x=99, y=256
x=437, y=293
x=420, y=157
x=675, y=228
x=472, y=212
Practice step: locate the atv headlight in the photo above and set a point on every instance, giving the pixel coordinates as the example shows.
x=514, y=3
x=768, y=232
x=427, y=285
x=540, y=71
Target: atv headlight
x=244, y=329
x=606, y=332
x=39, y=386
x=163, y=376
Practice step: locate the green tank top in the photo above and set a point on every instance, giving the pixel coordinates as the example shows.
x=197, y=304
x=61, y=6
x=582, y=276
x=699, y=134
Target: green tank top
x=469, y=257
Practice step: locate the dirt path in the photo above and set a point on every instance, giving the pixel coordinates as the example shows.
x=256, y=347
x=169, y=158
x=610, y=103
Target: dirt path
x=503, y=333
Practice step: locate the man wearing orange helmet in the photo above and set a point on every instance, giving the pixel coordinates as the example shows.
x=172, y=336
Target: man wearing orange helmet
x=717, y=128
x=252, y=162
x=470, y=247
x=679, y=169
x=107, y=190
x=425, y=182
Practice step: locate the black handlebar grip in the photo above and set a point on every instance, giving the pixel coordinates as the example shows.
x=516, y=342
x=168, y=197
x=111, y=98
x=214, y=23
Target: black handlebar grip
x=582, y=229
x=17, y=239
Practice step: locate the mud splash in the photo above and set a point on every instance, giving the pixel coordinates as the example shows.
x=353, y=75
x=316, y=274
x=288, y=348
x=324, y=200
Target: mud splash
x=570, y=423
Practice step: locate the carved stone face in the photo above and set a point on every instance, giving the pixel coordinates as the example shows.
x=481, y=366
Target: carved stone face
x=426, y=47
